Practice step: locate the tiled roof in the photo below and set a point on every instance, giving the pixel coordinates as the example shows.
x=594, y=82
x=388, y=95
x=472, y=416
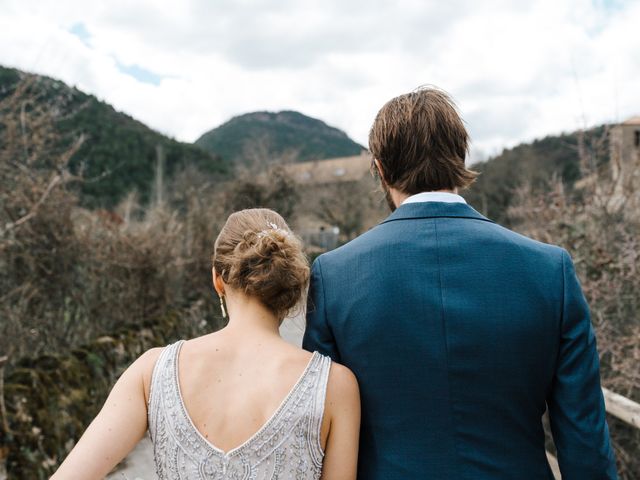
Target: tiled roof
x=632, y=121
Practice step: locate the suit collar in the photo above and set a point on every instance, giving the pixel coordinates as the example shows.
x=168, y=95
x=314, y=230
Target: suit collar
x=410, y=211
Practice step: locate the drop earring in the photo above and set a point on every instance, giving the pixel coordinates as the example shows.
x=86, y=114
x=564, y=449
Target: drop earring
x=224, y=312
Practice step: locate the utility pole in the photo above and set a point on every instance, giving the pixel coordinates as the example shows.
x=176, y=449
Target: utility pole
x=4, y=422
x=159, y=175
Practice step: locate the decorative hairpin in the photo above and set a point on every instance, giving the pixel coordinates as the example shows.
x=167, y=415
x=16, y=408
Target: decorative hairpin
x=272, y=228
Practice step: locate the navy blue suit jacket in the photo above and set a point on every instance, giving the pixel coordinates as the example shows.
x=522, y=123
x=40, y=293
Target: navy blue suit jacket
x=461, y=333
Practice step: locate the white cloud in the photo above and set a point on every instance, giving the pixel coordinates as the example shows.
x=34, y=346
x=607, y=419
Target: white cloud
x=518, y=70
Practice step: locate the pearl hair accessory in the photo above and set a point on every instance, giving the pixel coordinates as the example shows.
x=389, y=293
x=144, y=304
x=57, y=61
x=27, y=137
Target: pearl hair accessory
x=272, y=228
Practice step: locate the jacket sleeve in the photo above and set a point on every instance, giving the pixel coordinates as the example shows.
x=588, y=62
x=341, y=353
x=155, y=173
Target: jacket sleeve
x=576, y=404
x=318, y=335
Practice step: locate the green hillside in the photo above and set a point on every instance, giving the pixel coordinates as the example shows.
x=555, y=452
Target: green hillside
x=119, y=151
x=261, y=136
x=536, y=163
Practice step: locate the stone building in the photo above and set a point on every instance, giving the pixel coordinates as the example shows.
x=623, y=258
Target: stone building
x=334, y=170
x=624, y=144
x=338, y=197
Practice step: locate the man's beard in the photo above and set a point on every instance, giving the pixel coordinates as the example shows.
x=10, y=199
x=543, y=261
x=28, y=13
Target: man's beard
x=387, y=196
x=383, y=186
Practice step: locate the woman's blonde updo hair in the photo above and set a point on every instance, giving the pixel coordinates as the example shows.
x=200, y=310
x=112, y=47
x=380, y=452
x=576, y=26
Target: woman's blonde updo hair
x=257, y=253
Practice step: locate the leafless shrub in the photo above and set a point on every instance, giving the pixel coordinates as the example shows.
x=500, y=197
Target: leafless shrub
x=271, y=188
x=353, y=206
x=69, y=274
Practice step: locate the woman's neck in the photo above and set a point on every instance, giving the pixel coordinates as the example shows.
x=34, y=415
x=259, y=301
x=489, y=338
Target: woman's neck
x=248, y=316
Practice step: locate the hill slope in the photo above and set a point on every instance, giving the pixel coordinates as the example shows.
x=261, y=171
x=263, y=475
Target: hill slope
x=261, y=136
x=536, y=163
x=116, y=144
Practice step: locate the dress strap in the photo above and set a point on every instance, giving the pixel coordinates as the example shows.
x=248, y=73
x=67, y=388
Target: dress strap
x=323, y=366
x=157, y=389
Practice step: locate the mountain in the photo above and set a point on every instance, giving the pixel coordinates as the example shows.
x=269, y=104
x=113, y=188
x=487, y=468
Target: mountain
x=261, y=136
x=119, y=153
x=536, y=163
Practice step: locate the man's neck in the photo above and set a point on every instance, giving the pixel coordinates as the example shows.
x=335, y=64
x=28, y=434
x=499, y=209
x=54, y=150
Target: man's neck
x=398, y=197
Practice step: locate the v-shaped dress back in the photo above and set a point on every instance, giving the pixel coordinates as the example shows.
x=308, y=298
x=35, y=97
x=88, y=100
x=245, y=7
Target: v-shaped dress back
x=286, y=446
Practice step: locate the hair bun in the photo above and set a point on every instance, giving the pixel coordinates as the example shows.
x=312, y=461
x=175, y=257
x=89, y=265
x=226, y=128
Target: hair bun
x=263, y=258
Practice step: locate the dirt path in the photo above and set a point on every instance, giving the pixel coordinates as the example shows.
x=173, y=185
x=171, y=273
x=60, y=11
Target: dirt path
x=139, y=464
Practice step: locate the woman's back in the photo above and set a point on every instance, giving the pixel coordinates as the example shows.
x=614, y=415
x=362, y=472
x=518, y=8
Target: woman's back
x=240, y=403
x=223, y=421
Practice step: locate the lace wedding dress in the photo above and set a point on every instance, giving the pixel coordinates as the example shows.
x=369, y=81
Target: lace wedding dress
x=286, y=447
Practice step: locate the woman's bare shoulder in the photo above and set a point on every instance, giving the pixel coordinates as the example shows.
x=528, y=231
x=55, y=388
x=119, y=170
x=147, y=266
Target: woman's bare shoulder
x=150, y=357
x=144, y=365
x=342, y=387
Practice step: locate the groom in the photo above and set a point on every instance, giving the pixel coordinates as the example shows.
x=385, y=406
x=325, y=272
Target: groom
x=461, y=333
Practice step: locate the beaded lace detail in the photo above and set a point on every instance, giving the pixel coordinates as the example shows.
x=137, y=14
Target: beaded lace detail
x=287, y=446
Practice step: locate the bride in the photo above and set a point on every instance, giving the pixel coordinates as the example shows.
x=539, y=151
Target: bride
x=240, y=403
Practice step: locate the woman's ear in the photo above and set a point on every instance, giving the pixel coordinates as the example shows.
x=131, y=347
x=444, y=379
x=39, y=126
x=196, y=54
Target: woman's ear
x=218, y=283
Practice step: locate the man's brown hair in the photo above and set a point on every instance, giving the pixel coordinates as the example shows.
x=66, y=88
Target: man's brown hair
x=421, y=143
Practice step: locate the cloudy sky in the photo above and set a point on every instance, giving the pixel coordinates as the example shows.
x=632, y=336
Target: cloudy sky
x=517, y=69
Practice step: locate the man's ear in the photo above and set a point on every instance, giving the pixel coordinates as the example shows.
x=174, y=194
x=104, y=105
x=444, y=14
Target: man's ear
x=378, y=167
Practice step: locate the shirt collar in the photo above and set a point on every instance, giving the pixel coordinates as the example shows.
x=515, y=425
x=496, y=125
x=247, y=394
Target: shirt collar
x=446, y=197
